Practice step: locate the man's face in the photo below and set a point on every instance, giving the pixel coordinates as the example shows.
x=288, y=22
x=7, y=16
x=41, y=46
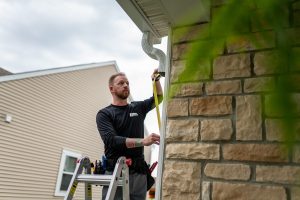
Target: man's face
x=120, y=87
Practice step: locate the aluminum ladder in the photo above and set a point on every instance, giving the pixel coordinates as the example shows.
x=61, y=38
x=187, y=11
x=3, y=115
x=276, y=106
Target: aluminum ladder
x=120, y=177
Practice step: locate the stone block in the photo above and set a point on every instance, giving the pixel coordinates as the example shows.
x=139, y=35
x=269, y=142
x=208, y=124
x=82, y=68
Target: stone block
x=290, y=82
x=177, y=107
x=179, y=195
x=176, y=69
x=190, y=33
x=182, y=130
x=251, y=42
x=274, y=130
x=238, y=191
x=216, y=129
x=227, y=171
x=218, y=2
x=211, y=106
x=281, y=130
x=193, y=151
x=278, y=174
x=218, y=19
x=186, y=89
x=248, y=118
x=181, y=180
x=295, y=193
x=255, y=152
x=179, y=51
x=260, y=22
x=296, y=153
x=273, y=104
x=202, y=72
x=206, y=190
x=296, y=17
x=237, y=65
x=296, y=5
x=261, y=84
x=293, y=34
x=270, y=109
x=223, y=87
x=267, y=62
x=296, y=60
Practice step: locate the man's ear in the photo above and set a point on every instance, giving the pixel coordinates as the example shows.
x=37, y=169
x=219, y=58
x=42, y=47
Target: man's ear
x=110, y=88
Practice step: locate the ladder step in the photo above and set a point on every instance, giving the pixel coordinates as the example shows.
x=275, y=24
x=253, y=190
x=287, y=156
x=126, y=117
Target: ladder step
x=103, y=180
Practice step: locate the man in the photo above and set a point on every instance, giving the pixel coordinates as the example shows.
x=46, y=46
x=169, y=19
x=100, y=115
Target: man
x=121, y=126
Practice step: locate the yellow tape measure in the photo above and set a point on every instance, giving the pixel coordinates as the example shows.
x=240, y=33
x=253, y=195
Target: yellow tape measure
x=156, y=100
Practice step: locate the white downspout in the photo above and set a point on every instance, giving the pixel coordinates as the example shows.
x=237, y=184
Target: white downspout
x=147, y=44
x=157, y=54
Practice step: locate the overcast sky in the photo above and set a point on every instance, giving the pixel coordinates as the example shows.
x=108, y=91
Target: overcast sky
x=43, y=34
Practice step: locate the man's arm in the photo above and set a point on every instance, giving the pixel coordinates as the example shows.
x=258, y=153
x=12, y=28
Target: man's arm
x=152, y=138
x=110, y=139
x=139, y=142
x=107, y=131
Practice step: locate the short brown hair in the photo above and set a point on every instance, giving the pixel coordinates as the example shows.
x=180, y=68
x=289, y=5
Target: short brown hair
x=112, y=77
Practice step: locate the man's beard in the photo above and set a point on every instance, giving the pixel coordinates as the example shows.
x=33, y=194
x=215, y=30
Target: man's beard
x=123, y=95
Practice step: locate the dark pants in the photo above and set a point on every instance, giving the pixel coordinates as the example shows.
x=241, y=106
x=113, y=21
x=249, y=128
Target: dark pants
x=137, y=187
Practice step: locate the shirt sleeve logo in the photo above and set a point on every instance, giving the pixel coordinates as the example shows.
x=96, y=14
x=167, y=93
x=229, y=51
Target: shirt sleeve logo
x=133, y=114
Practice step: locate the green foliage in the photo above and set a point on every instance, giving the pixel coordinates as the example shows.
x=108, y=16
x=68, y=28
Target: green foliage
x=266, y=21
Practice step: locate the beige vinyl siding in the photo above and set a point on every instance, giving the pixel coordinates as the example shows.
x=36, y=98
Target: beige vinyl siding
x=49, y=113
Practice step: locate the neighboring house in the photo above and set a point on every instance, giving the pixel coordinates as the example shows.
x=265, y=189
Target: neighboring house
x=47, y=121
x=4, y=72
x=219, y=141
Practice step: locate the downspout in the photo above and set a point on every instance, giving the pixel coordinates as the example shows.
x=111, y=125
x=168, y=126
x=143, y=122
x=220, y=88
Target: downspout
x=157, y=54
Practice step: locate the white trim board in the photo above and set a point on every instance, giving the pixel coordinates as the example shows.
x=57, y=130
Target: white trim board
x=161, y=158
x=30, y=74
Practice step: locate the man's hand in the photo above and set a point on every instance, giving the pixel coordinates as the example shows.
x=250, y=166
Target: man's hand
x=139, y=142
x=151, y=139
x=155, y=75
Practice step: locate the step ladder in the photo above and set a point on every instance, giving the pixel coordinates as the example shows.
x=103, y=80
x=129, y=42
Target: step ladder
x=120, y=177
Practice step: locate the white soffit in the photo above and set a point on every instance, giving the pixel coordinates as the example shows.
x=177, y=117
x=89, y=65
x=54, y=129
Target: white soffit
x=183, y=12
x=157, y=16
x=138, y=15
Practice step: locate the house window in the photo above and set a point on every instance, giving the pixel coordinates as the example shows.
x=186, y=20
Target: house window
x=66, y=170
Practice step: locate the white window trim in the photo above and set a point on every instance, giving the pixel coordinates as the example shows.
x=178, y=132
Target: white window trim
x=64, y=154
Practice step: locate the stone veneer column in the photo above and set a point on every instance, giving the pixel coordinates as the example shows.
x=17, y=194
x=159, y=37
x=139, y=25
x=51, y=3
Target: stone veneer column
x=222, y=141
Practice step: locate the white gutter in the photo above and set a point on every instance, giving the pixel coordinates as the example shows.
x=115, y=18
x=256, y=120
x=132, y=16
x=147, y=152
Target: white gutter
x=157, y=54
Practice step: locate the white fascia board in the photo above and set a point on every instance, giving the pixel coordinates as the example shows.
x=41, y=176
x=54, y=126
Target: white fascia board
x=137, y=16
x=57, y=70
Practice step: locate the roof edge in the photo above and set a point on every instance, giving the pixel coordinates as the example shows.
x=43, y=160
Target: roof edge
x=136, y=14
x=43, y=72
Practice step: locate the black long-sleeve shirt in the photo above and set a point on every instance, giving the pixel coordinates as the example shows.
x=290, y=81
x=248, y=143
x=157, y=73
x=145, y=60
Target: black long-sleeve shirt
x=116, y=123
